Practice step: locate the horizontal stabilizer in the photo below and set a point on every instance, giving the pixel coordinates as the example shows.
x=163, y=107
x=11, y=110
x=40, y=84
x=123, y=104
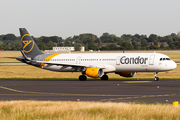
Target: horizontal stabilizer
x=25, y=57
x=9, y=57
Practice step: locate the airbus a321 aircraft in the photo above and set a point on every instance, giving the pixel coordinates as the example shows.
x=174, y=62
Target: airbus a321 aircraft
x=95, y=65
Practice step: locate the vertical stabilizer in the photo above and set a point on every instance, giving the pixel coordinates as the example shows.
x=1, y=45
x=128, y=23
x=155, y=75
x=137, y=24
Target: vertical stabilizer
x=29, y=46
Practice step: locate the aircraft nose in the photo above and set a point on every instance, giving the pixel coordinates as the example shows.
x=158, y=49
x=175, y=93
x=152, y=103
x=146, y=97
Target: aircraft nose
x=174, y=65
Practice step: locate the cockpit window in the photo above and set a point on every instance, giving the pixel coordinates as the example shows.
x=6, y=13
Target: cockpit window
x=162, y=59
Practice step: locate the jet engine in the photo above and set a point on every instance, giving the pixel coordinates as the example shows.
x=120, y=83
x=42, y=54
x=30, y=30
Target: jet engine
x=94, y=72
x=127, y=74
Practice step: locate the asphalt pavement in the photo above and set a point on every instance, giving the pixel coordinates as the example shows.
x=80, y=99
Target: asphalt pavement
x=113, y=90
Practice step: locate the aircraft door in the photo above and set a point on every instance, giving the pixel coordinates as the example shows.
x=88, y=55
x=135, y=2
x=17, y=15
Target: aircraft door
x=78, y=60
x=151, y=61
x=118, y=60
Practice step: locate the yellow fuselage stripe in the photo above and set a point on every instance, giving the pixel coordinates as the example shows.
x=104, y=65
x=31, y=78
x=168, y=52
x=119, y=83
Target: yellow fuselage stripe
x=48, y=59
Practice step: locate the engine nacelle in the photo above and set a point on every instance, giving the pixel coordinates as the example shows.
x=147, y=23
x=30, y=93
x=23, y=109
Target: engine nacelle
x=127, y=74
x=94, y=72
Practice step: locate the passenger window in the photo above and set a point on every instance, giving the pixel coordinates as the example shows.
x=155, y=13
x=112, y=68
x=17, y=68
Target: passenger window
x=160, y=59
x=164, y=58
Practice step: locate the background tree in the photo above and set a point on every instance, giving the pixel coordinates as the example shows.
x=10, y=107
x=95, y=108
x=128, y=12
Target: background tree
x=144, y=43
x=50, y=45
x=153, y=47
x=54, y=39
x=60, y=44
x=162, y=46
x=126, y=37
x=173, y=34
x=9, y=37
x=77, y=46
x=152, y=38
x=135, y=44
x=67, y=43
x=112, y=47
x=126, y=46
x=126, y=41
x=143, y=37
x=105, y=38
x=41, y=46
x=91, y=46
x=155, y=42
x=137, y=36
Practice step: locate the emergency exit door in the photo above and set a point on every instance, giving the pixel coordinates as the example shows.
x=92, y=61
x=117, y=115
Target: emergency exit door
x=78, y=60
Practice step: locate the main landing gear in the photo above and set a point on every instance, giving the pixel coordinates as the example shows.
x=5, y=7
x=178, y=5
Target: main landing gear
x=82, y=78
x=104, y=77
x=156, y=78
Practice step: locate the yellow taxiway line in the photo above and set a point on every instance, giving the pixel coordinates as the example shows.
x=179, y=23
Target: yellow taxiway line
x=137, y=81
x=62, y=94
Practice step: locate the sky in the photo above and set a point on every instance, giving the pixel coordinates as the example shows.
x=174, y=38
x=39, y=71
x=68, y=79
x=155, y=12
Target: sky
x=65, y=18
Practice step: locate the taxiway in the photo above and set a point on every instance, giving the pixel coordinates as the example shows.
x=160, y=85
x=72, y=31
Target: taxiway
x=114, y=90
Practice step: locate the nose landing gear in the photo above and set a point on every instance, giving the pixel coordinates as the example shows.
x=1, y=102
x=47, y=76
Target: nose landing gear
x=156, y=78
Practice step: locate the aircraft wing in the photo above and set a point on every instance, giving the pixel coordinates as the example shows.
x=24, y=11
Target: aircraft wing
x=63, y=64
x=106, y=68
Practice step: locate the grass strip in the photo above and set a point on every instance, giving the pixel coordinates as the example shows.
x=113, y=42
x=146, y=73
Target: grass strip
x=66, y=110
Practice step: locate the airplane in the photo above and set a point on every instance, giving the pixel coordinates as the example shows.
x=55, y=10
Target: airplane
x=95, y=65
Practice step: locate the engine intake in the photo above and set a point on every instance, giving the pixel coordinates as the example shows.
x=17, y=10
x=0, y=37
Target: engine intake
x=127, y=74
x=94, y=72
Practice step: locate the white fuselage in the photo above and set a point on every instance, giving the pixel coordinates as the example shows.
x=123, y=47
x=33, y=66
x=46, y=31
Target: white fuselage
x=114, y=62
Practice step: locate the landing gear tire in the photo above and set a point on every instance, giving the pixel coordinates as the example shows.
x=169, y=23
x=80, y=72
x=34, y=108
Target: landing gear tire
x=104, y=77
x=156, y=78
x=82, y=78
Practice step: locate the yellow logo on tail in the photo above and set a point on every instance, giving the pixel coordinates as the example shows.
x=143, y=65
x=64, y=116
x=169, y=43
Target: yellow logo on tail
x=26, y=43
